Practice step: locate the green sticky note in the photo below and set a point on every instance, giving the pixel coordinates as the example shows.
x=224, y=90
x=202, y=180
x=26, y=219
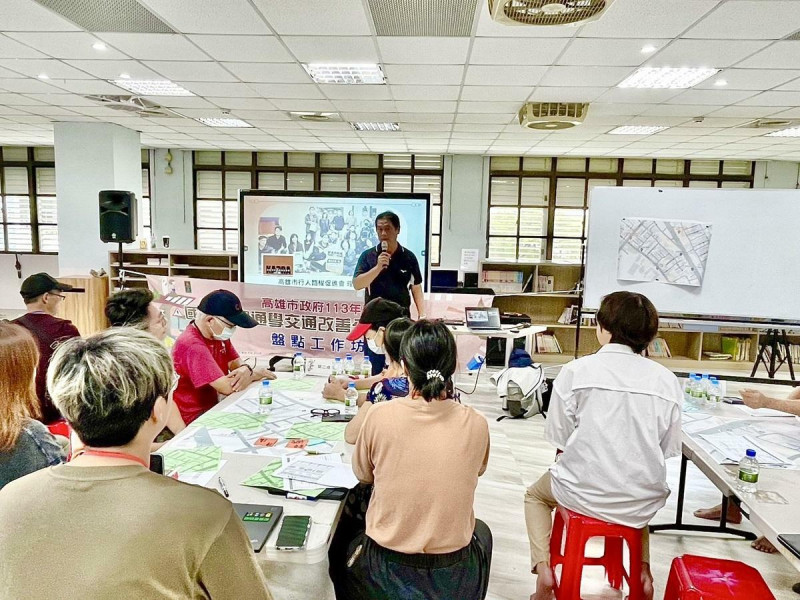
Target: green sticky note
x=230, y=420
x=266, y=478
x=192, y=460
x=333, y=432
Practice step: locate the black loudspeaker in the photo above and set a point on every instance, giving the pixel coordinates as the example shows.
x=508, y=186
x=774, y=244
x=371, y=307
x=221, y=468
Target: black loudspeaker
x=117, y=216
x=470, y=280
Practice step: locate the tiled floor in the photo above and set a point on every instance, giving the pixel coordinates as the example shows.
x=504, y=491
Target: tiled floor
x=519, y=456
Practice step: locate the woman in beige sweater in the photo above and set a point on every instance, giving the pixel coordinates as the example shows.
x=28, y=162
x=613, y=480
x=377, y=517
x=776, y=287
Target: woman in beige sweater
x=424, y=454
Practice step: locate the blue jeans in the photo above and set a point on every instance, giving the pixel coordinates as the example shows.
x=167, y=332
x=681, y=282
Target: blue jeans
x=378, y=360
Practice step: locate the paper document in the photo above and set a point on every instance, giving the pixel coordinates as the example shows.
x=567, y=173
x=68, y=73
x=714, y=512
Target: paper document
x=319, y=472
x=664, y=251
x=320, y=430
x=266, y=478
x=762, y=412
x=194, y=460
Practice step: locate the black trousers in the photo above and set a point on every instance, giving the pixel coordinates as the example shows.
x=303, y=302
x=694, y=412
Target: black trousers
x=377, y=573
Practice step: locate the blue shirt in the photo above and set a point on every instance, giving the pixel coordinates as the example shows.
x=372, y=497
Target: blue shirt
x=395, y=280
x=386, y=389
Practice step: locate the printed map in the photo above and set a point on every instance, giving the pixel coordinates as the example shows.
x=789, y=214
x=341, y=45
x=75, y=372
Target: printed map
x=673, y=252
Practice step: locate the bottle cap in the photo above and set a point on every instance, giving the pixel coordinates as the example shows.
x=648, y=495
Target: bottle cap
x=353, y=385
x=751, y=453
x=691, y=375
x=349, y=355
x=705, y=375
x=265, y=383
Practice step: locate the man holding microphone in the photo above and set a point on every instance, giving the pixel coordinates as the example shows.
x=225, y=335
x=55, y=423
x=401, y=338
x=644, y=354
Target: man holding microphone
x=389, y=271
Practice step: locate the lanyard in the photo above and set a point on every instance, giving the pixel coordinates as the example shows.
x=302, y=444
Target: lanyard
x=120, y=455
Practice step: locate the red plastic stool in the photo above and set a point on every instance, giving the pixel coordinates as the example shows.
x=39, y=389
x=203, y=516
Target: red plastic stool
x=702, y=578
x=62, y=428
x=59, y=428
x=579, y=530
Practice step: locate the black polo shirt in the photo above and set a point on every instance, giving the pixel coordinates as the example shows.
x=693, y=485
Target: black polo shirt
x=394, y=282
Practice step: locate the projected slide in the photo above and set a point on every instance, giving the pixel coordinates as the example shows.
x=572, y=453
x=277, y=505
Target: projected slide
x=314, y=239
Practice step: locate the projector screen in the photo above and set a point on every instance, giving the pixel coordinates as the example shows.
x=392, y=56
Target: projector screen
x=314, y=239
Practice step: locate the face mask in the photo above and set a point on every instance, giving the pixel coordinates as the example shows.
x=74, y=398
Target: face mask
x=227, y=333
x=374, y=348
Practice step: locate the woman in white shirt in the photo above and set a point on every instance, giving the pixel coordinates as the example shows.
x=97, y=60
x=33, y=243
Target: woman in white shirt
x=616, y=417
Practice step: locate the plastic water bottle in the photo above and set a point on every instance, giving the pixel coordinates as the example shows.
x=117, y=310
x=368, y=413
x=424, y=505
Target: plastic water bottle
x=747, y=481
x=695, y=389
x=298, y=366
x=349, y=367
x=715, y=394
x=264, y=398
x=351, y=399
x=338, y=369
x=687, y=387
x=366, y=367
x=705, y=388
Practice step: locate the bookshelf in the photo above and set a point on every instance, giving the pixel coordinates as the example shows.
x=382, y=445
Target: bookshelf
x=687, y=342
x=223, y=266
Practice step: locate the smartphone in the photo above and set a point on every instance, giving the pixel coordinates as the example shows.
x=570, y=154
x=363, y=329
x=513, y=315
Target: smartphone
x=293, y=533
x=732, y=400
x=340, y=418
x=157, y=463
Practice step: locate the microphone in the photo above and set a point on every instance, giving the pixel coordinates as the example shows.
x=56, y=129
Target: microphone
x=385, y=248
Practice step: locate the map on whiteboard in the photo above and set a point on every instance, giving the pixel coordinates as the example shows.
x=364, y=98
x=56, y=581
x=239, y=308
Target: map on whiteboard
x=665, y=251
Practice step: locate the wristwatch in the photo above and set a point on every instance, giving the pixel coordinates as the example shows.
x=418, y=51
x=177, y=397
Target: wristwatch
x=249, y=367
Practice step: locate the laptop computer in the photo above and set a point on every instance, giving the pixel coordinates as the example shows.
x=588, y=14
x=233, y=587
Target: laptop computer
x=259, y=521
x=482, y=318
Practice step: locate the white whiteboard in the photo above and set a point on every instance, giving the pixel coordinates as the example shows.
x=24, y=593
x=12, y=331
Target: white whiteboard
x=753, y=266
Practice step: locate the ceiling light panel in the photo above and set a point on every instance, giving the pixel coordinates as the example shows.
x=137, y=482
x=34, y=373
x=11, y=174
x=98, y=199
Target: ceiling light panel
x=152, y=87
x=637, y=129
x=667, y=77
x=344, y=74
x=223, y=122
x=791, y=132
x=368, y=126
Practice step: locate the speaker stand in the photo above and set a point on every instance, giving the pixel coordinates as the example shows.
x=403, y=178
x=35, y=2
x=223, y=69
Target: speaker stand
x=774, y=348
x=120, y=268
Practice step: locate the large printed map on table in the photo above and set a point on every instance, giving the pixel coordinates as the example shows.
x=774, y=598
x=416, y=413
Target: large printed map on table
x=240, y=428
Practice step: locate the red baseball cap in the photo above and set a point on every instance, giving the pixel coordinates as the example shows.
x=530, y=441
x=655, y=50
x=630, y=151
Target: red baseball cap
x=378, y=312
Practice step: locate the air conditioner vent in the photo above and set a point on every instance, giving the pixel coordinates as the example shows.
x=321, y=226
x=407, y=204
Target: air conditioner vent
x=547, y=12
x=552, y=116
x=767, y=124
x=125, y=16
x=133, y=104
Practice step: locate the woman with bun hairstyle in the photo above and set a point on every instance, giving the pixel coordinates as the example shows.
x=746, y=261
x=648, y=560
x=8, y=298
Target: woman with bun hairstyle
x=424, y=454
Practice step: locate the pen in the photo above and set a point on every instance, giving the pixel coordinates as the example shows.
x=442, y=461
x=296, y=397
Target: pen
x=293, y=496
x=223, y=488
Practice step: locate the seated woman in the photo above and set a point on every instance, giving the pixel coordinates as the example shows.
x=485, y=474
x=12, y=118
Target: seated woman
x=377, y=314
x=616, y=417
x=133, y=534
x=394, y=383
x=424, y=454
x=135, y=308
x=25, y=444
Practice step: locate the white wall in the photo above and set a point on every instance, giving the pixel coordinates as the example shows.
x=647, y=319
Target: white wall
x=466, y=180
x=90, y=157
x=10, y=301
x=171, y=199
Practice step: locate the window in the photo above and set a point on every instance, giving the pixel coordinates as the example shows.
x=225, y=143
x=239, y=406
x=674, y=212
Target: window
x=218, y=177
x=28, y=205
x=538, y=206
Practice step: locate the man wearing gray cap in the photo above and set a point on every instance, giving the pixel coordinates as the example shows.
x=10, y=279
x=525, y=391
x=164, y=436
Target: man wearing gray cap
x=43, y=296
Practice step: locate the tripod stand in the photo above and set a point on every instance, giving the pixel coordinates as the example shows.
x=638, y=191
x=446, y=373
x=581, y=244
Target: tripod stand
x=774, y=347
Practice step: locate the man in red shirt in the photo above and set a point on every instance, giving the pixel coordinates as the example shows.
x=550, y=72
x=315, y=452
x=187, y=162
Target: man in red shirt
x=205, y=359
x=43, y=296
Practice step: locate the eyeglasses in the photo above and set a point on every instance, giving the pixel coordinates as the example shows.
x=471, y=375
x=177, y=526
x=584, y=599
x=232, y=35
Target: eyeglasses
x=324, y=412
x=57, y=295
